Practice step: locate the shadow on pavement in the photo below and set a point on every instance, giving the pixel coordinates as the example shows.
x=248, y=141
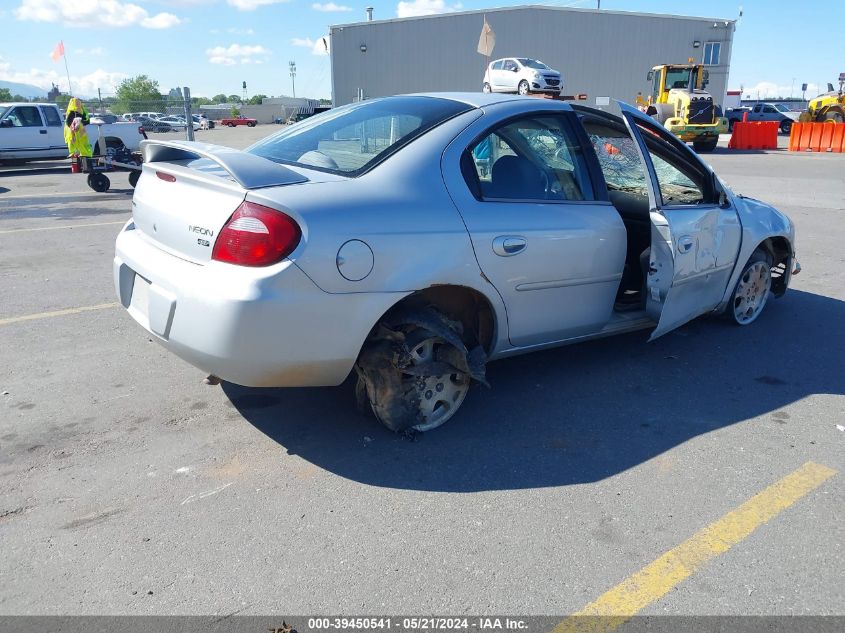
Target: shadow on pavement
x=575, y=414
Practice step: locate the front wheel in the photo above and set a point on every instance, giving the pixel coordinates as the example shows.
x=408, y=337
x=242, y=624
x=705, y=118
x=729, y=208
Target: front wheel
x=250, y=124
x=705, y=146
x=834, y=117
x=786, y=126
x=231, y=125
x=486, y=88
x=133, y=178
x=752, y=289
x=522, y=88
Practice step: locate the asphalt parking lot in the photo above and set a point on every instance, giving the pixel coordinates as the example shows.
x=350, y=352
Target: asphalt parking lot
x=129, y=487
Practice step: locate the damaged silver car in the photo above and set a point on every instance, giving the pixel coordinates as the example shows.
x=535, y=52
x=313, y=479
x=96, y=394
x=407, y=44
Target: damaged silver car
x=413, y=239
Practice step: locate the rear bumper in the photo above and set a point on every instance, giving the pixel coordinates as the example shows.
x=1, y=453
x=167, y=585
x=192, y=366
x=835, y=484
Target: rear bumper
x=268, y=327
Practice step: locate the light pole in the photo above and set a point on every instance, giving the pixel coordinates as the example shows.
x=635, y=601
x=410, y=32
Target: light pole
x=292, y=66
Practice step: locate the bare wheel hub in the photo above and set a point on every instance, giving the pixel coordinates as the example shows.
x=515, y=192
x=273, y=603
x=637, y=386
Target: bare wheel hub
x=752, y=291
x=440, y=396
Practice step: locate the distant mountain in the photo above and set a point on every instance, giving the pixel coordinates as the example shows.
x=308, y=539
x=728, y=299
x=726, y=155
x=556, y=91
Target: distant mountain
x=25, y=90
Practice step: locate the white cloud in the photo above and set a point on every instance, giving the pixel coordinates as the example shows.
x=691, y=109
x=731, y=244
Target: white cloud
x=236, y=54
x=161, y=21
x=771, y=90
x=252, y=5
x=110, y=13
x=235, y=31
x=84, y=85
x=320, y=46
x=330, y=7
x=425, y=7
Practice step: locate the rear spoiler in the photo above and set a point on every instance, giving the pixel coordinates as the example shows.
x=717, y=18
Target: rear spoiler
x=248, y=170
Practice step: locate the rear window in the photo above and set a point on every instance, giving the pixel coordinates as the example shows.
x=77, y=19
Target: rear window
x=353, y=139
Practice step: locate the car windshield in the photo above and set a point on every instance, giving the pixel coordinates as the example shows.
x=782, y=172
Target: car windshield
x=352, y=139
x=677, y=78
x=532, y=63
x=781, y=107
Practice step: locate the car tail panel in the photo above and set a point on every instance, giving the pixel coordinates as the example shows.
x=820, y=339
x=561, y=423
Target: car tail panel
x=181, y=210
x=188, y=192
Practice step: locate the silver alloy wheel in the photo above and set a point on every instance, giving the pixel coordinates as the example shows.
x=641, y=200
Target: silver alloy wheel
x=440, y=396
x=752, y=291
x=522, y=88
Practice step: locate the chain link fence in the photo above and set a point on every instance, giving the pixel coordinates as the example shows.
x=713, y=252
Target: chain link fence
x=169, y=114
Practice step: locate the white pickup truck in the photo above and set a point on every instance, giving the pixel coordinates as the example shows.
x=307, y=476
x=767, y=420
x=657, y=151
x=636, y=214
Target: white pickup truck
x=35, y=131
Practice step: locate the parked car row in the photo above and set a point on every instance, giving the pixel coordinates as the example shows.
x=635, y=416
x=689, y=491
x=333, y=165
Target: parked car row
x=160, y=122
x=764, y=112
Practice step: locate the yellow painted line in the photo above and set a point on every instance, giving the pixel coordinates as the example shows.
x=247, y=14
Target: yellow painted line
x=64, y=226
x=655, y=580
x=57, y=313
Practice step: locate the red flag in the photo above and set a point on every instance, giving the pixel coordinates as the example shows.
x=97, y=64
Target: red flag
x=59, y=51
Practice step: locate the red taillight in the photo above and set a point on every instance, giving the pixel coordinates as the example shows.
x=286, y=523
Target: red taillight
x=256, y=236
x=166, y=177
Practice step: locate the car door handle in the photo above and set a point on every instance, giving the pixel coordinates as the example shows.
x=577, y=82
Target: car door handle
x=685, y=244
x=507, y=245
x=42, y=131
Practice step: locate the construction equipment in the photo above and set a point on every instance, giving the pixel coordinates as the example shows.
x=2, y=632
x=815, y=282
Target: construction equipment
x=680, y=102
x=827, y=107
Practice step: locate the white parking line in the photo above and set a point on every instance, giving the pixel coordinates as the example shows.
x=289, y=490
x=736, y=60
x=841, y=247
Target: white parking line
x=68, y=194
x=56, y=313
x=64, y=226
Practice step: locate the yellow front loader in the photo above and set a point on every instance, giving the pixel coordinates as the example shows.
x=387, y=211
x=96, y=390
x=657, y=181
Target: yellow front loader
x=827, y=107
x=680, y=101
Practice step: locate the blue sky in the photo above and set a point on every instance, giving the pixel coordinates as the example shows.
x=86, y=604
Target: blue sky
x=214, y=45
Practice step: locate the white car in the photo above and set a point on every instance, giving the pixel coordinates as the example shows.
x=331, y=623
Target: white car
x=521, y=75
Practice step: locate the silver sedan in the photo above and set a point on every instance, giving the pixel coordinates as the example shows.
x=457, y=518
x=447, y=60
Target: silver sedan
x=413, y=239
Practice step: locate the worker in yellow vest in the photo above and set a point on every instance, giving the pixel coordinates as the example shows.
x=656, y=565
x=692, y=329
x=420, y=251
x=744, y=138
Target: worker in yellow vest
x=75, y=122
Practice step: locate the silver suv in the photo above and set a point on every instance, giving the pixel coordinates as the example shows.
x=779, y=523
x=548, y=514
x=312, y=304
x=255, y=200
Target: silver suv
x=521, y=75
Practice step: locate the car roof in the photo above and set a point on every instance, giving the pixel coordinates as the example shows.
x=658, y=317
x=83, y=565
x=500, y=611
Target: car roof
x=475, y=99
x=24, y=103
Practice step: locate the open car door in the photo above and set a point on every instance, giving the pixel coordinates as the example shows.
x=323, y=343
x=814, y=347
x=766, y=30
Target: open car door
x=695, y=231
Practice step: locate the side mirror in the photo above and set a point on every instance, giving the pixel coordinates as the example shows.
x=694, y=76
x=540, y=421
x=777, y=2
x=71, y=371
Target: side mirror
x=5, y=123
x=515, y=69
x=650, y=75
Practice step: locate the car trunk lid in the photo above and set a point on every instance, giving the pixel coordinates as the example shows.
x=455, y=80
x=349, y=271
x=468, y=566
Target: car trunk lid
x=189, y=191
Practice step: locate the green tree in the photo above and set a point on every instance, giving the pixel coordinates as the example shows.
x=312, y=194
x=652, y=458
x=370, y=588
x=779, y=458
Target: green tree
x=221, y=98
x=235, y=112
x=62, y=100
x=201, y=101
x=233, y=99
x=138, y=93
x=5, y=95
x=19, y=98
x=256, y=99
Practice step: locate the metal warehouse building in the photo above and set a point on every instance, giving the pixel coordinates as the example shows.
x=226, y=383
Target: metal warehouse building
x=600, y=53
